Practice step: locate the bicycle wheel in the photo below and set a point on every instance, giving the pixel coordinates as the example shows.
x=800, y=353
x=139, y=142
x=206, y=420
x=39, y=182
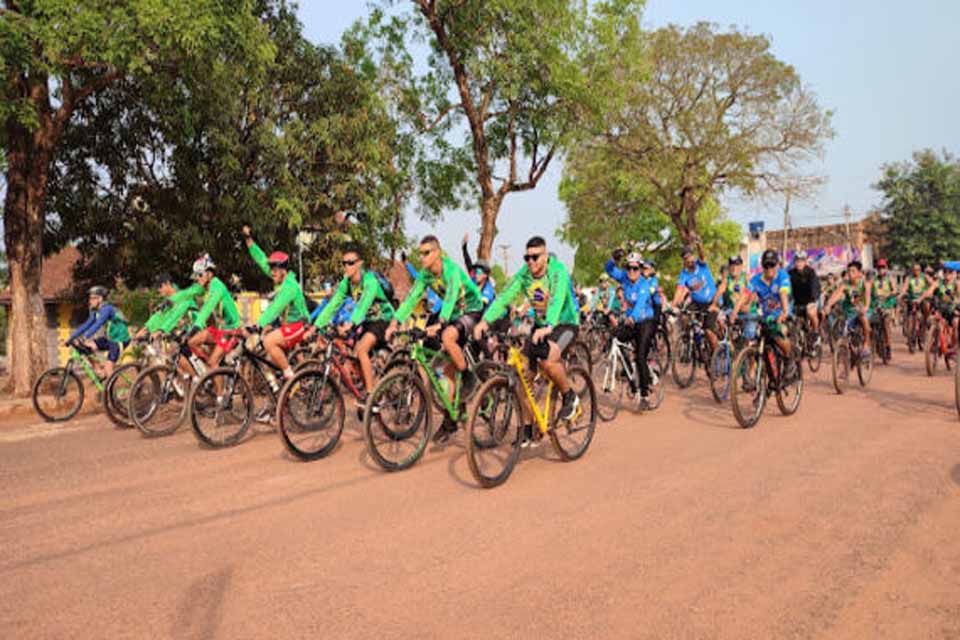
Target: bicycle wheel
x=815, y=354
x=791, y=387
x=493, y=432
x=579, y=355
x=840, y=365
x=221, y=408
x=571, y=438
x=720, y=372
x=157, y=403
x=310, y=414
x=748, y=387
x=931, y=354
x=663, y=349
x=956, y=389
x=397, y=435
x=117, y=394
x=57, y=394
x=610, y=389
x=865, y=366
x=658, y=371
x=685, y=363
x=909, y=331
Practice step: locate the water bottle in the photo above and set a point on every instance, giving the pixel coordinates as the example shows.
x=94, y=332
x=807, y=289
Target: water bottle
x=198, y=365
x=272, y=381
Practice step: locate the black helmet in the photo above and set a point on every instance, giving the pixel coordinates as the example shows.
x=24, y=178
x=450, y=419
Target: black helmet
x=735, y=260
x=482, y=265
x=770, y=258
x=98, y=291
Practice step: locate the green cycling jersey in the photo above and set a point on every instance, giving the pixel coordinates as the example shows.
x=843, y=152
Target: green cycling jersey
x=371, y=302
x=548, y=294
x=218, y=303
x=916, y=287
x=884, y=293
x=460, y=294
x=177, y=305
x=853, y=296
x=288, y=298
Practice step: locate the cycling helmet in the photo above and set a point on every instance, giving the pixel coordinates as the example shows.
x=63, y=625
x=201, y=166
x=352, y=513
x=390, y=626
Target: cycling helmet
x=98, y=291
x=735, y=260
x=770, y=258
x=278, y=259
x=482, y=265
x=203, y=263
x=634, y=258
x=650, y=263
x=800, y=255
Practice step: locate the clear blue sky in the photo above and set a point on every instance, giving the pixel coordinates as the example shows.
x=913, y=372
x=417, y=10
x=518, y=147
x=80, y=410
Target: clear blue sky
x=887, y=69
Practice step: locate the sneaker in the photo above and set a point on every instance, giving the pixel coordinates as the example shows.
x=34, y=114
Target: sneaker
x=468, y=384
x=264, y=416
x=571, y=402
x=526, y=436
x=447, y=429
x=645, y=399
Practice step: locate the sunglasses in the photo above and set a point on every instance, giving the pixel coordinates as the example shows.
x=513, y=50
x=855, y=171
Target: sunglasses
x=532, y=257
x=769, y=266
x=633, y=268
x=349, y=263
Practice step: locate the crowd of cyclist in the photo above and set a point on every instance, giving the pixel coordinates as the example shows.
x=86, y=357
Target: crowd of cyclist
x=459, y=305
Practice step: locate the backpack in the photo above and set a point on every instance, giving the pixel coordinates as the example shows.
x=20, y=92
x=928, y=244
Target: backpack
x=387, y=288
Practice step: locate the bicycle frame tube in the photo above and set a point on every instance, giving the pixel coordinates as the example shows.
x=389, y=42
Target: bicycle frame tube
x=76, y=356
x=516, y=360
x=422, y=356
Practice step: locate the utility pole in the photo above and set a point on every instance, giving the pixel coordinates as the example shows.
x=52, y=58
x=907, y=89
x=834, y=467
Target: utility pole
x=846, y=224
x=786, y=226
x=504, y=252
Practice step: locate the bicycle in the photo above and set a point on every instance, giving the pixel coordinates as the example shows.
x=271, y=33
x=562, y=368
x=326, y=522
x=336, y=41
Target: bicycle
x=850, y=353
x=65, y=386
x=618, y=371
x=914, y=326
x=878, y=335
x=495, y=428
x=158, y=398
x=721, y=362
x=941, y=344
x=810, y=348
x=761, y=368
x=692, y=349
x=403, y=400
x=225, y=395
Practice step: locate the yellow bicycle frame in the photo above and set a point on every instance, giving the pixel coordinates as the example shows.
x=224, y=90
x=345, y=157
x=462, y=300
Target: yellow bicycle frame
x=518, y=361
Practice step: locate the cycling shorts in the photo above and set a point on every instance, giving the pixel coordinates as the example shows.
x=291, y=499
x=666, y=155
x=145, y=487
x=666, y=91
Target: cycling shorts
x=710, y=317
x=562, y=335
x=112, y=348
x=292, y=334
x=225, y=339
x=376, y=328
x=465, y=325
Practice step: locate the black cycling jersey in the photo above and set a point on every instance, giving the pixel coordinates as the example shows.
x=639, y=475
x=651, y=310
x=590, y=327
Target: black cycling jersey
x=805, y=285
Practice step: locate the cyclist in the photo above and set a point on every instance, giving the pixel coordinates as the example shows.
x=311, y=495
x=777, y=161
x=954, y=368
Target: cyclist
x=805, y=287
x=733, y=287
x=480, y=273
x=178, y=303
x=771, y=290
x=640, y=323
x=462, y=308
x=217, y=303
x=546, y=284
x=372, y=312
x=434, y=302
x=854, y=296
x=884, y=297
x=115, y=336
x=914, y=286
x=288, y=306
x=696, y=281
x=945, y=295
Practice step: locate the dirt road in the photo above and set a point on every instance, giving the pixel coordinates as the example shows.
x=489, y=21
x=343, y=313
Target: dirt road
x=840, y=522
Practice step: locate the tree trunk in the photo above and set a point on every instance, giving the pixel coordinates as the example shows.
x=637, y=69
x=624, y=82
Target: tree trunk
x=489, y=208
x=27, y=173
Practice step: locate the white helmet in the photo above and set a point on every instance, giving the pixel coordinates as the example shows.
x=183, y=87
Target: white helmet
x=634, y=258
x=202, y=264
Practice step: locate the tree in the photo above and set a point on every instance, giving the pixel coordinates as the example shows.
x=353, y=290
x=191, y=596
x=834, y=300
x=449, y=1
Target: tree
x=54, y=56
x=717, y=113
x=173, y=166
x=509, y=76
x=920, y=212
x=607, y=208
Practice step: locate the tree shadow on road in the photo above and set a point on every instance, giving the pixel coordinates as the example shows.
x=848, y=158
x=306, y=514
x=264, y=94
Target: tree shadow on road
x=201, y=608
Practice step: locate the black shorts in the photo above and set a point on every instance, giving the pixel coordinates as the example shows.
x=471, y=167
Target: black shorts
x=376, y=328
x=563, y=335
x=709, y=318
x=465, y=325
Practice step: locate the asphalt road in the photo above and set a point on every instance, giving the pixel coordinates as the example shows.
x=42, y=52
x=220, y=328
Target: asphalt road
x=839, y=522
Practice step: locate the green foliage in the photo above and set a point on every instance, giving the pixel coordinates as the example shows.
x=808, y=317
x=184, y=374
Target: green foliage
x=171, y=165
x=500, y=277
x=921, y=208
x=484, y=86
x=136, y=304
x=716, y=112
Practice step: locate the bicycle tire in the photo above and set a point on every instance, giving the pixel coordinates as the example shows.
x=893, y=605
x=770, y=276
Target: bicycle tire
x=153, y=391
x=609, y=401
x=59, y=377
x=932, y=351
x=579, y=355
x=582, y=384
x=956, y=389
x=720, y=363
x=788, y=407
x=658, y=374
x=840, y=366
x=685, y=357
x=419, y=424
x=117, y=392
x=291, y=425
x=201, y=393
x=484, y=433
x=757, y=395
x=865, y=366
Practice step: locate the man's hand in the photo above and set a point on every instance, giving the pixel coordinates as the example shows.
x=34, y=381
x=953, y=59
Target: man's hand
x=432, y=330
x=480, y=329
x=541, y=333
x=246, y=231
x=392, y=329
x=466, y=238
x=713, y=308
x=617, y=254
x=309, y=331
x=142, y=332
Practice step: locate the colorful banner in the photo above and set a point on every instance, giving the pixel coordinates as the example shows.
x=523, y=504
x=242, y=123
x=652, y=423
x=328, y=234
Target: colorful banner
x=824, y=259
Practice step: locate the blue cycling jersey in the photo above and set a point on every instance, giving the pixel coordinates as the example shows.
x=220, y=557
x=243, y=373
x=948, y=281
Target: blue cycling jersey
x=700, y=283
x=768, y=294
x=639, y=296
